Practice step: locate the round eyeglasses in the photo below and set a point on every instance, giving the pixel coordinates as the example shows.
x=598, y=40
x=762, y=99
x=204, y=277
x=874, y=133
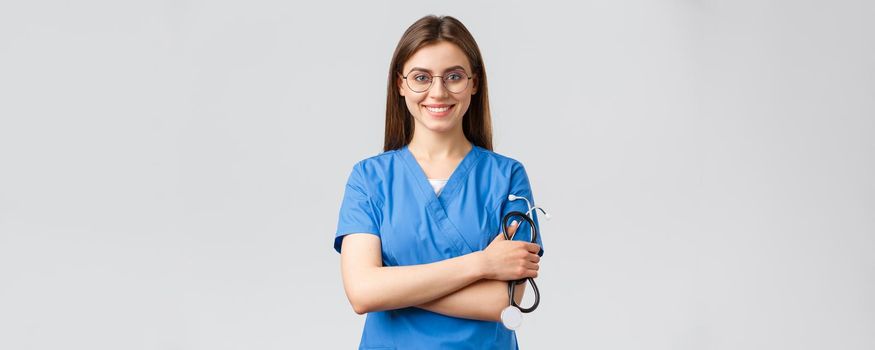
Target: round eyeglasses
x=455, y=81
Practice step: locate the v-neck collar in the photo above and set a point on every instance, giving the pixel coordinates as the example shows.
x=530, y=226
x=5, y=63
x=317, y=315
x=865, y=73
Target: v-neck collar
x=454, y=180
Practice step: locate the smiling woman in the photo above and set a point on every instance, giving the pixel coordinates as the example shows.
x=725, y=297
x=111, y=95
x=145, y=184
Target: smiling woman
x=444, y=47
x=418, y=229
x=439, y=109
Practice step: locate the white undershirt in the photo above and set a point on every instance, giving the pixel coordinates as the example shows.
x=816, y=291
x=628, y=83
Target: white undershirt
x=438, y=185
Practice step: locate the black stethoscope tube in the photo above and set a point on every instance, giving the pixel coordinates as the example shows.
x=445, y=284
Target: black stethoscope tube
x=534, y=239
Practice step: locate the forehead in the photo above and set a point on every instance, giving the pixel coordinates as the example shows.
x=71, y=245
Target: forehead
x=437, y=57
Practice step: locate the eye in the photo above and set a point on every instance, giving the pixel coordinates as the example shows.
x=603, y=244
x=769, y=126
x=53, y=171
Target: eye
x=455, y=76
x=420, y=77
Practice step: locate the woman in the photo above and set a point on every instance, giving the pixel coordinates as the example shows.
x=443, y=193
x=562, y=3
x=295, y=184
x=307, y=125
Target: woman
x=418, y=222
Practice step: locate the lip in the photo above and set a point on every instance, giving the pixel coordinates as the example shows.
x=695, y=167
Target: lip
x=428, y=108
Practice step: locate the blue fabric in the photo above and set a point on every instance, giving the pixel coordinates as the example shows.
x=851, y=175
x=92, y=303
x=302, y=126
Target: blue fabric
x=388, y=195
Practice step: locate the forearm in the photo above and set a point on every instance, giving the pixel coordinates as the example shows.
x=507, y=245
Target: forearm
x=482, y=300
x=394, y=287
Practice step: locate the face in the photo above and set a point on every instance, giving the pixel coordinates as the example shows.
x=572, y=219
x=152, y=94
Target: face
x=438, y=109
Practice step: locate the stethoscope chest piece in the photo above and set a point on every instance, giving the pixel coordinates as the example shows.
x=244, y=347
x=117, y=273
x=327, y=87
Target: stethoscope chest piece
x=511, y=317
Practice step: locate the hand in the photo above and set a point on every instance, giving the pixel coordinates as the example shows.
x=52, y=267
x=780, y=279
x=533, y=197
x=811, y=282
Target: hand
x=510, y=260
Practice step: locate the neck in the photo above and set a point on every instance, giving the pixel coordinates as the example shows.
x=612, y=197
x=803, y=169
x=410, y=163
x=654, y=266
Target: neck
x=431, y=145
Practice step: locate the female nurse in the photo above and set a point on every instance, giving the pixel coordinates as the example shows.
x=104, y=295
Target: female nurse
x=419, y=225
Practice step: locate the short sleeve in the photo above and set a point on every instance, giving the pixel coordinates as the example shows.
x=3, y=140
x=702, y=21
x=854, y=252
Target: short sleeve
x=357, y=211
x=520, y=187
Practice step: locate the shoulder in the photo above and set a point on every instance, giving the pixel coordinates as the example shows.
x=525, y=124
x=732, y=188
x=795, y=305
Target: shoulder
x=376, y=163
x=500, y=161
x=504, y=169
x=373, y=170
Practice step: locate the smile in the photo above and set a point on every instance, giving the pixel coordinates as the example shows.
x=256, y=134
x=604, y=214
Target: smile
x=438, y=108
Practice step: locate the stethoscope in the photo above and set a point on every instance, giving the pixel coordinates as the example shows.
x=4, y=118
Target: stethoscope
x=512, y=316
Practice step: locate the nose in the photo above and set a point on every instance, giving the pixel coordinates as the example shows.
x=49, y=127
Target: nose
x=437, y=89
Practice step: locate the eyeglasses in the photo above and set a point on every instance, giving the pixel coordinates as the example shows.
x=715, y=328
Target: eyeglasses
x=455, y=81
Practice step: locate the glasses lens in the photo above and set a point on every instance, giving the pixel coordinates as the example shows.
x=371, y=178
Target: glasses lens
x=418, y=81
x=456, y=81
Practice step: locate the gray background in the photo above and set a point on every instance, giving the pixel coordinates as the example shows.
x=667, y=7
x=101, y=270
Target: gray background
x=171, y=171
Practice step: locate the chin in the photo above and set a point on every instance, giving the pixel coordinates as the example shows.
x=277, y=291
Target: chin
x=440, y=128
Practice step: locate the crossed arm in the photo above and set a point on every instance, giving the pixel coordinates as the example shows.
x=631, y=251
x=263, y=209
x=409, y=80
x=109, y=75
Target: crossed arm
x=456, y=287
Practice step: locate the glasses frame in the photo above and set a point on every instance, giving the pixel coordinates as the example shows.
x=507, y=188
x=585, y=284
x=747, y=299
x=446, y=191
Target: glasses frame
x=431, y=81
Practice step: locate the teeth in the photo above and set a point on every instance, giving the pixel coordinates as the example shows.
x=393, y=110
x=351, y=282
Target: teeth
x=437, y=110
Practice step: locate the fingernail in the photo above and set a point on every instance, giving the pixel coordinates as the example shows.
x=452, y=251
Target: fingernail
x=514, y=223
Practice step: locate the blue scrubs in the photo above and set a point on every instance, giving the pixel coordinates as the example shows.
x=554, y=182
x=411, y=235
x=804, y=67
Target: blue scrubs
x=389, y=195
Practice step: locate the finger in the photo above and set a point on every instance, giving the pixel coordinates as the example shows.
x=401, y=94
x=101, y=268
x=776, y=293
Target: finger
x=511, y=229
x=533, y=247
x=532, y=266
x=534, y=258
x=499, y=237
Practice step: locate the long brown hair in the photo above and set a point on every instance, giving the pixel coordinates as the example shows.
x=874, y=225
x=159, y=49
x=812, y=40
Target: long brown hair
x=476, y=123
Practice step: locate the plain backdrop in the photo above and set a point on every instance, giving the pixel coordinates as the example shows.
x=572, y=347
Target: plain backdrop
x=171, y=171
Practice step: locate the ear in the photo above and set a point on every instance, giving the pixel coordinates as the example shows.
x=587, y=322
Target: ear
x=475, y=81
x=400, y=83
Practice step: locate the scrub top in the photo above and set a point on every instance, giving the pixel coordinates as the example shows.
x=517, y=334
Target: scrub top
x=389, y=195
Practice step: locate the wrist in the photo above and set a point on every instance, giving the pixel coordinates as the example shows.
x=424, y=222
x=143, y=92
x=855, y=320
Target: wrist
x=478, y=259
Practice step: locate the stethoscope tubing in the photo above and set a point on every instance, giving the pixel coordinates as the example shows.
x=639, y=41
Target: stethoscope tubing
x=510, y=284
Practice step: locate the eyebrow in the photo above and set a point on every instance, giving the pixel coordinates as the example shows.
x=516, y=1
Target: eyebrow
x=445, y=70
